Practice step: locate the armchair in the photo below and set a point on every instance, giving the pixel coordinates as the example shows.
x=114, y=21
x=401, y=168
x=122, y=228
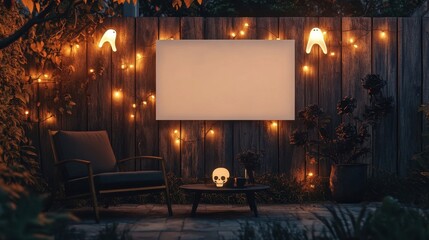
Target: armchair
x=87, y=167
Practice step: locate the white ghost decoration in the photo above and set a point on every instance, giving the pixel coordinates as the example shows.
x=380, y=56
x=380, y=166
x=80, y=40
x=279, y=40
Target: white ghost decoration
x=316, y=37
x=110, y=37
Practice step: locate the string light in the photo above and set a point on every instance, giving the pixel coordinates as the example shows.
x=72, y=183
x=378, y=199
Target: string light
x=46, y=75
x=77, y=46
x=91, y=70
x=246, y=25
x=132, y=115
x=383, y=34
x=171, y=38
x=332, y=54
x=139, y=56
x=131, y=66
x=26, y=112
x=212, y=132
x=310, y=174
x=175, y=131
x=117, y=93
x=324, y=32
x=351, y=40
x=273, y=124
x=242, y=32
x=39, y=80
x=123, y=66
x=355, y=45
x=134, y=105
x=152, y=97
x=305, y=68
x=277, y=38
x=144, y=102
x=233, y=34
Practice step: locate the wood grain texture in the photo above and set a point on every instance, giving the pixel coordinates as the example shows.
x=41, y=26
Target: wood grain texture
x=146, y=126
x=193, y=132
x=74, y=83
x=218, y=146
x=292, y=159
x=356, y=63
x=330, y=78
x=123, y=78
x=169, y=148
x=385, y=63
x=409, y=90
x=100, y=82
x=268, y=29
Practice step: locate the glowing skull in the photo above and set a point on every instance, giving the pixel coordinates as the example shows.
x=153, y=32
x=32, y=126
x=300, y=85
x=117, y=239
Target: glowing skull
x=220, y=176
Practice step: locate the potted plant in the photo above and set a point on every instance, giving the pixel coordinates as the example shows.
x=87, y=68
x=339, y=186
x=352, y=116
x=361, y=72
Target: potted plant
x=251, y=160
x=345, y=146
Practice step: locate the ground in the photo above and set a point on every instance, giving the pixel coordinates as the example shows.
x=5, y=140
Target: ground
x=151, y=221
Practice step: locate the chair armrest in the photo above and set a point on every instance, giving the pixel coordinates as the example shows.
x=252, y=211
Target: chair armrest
x=141, y=158
x=60, y=163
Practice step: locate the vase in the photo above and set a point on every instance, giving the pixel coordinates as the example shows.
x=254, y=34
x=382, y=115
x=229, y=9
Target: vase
x=347, y=182
x=250, y=176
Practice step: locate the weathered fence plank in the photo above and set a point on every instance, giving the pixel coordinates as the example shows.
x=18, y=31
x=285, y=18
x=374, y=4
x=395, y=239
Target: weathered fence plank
x=425, y=59
x=385, y=63
x=246, y=133
x=329, y=76
x=123, y=79
x=409, y=90
x=356, y=56
x=218, y=146
x=169, y=145
x=146, y=124
x=192, y=152
x=74, y=82
x=268, y=29
x=292, y=158
x=100, y=82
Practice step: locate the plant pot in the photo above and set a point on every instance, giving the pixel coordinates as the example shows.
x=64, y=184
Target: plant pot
x=347, y=182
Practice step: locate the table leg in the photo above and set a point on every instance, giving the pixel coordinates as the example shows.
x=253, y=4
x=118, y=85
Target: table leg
x=252, y=203
x=197, y=197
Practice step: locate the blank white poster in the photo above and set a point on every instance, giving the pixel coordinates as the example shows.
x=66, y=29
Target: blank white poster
x=225, y=80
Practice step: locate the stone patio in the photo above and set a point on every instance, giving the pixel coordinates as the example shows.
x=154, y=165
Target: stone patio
x=211, y=222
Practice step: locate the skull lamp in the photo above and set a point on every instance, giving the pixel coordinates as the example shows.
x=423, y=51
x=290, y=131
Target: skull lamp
x=220, y=176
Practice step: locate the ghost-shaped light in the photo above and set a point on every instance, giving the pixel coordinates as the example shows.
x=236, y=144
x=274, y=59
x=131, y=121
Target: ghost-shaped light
x=220, y=176
x=316, y=37
x=110, y=37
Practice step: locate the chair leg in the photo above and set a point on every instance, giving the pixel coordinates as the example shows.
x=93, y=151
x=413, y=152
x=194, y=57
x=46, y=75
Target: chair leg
x=167, y=197
x=94, y=202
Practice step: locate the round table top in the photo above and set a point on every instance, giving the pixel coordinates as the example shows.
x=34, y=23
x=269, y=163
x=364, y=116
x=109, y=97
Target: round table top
x=211, y=188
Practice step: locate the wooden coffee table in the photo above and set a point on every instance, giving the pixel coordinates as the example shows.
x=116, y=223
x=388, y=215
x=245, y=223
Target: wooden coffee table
x=249, y=190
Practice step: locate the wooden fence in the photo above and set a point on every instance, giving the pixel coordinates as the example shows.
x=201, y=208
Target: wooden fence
x=395, y=48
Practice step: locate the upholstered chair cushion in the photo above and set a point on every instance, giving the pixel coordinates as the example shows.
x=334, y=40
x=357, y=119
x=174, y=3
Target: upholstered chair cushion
x=116, y=180
x=93, y=146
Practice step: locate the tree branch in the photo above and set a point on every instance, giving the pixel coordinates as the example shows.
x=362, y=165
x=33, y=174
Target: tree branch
x=40, y=18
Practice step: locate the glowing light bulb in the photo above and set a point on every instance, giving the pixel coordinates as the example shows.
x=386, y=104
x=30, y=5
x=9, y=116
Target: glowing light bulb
x=332, y=54
x=134, y=105
x=26, y=112
x=152, y=97
x=117, y=93
x=383, y=34
x=123, y=66
x=39, y=80
x=131, y=66
x=310, y=174
x=305, y=68
x=177, y=140
x=246, y=25
x=212, y=131
x=171, y=38
x=175, y=131
x=144, y=102
x=46, y=75
x=351, y=40
x=77, y=46
x=132, y=115
x=355, y=45
x=139, y=56
x=274, y=124
x=277, y=38
x=312, y=186
x=242, y=32
x=324, y=32
x=233, y=34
